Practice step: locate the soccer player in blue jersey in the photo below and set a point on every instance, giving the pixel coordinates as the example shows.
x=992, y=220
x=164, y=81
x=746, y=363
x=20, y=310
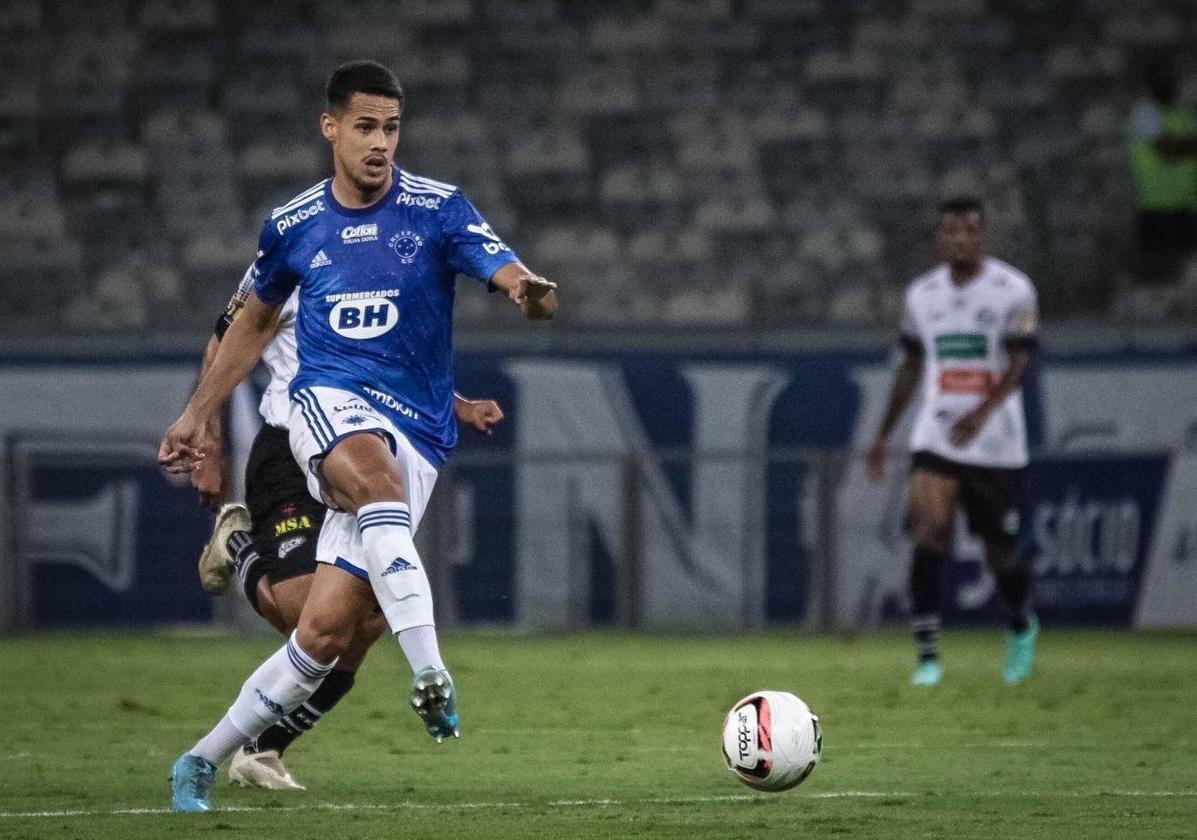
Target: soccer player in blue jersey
x=270, y=541
x=374, y=252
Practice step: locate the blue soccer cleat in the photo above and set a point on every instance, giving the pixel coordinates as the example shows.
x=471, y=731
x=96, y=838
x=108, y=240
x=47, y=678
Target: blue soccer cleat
x=929, y=672
x=1020, y=653
x=191, y=780
x=434, y=697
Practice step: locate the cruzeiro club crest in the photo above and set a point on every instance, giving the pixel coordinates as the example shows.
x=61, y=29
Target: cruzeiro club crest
x=406, y=243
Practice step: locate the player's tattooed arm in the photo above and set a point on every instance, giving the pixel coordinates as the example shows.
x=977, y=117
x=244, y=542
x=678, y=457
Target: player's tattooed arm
x=1019, y=355
x=481, y=414
x=906, y=382
x=536, y=296
x=183, y=446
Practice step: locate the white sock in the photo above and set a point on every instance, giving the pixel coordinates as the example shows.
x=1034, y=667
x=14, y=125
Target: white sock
x=280, y=684
x=396, y=572
x=420, y=647
x=224, y=740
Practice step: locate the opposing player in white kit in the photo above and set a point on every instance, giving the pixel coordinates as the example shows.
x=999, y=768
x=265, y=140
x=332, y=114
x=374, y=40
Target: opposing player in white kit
x=270, y=541
x=969, y=336
x=374, y=253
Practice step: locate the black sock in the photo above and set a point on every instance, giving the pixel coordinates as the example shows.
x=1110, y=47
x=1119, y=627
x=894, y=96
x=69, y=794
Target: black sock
x=245, y=556
x=926, y=572
x=1014, y=585
x=278, y=737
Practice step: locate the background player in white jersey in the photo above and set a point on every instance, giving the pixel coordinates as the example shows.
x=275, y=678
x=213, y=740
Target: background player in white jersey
x=375, y=269
x=969, y=335
x=270, y=541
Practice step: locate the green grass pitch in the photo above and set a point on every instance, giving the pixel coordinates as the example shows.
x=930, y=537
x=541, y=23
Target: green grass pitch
x=612, y=735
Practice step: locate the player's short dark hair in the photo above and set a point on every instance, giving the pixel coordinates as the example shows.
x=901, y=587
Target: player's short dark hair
x=360, y=77
x=958, y=205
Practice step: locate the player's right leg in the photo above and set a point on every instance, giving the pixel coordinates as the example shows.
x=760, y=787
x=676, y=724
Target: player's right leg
x=405, y=598
x=335, y=607
x=372, y=471
x=934, y=491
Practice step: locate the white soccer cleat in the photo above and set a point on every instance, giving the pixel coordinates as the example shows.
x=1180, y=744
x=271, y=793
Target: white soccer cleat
x=263, y=769
x=215, y=564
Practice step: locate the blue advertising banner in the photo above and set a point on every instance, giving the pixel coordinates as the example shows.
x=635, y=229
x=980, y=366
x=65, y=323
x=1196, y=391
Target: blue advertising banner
x=683, y=490
x=106, y=539
x=1089, y=533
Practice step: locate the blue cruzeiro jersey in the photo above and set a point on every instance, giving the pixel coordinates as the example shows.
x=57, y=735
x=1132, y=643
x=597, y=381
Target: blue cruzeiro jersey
x=376, y=295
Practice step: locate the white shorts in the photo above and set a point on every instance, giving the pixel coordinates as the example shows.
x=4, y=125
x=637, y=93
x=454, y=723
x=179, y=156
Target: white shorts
x=320, y=418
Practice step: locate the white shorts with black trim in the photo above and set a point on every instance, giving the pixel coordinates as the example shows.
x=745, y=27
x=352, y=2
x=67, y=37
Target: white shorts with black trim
x=320, y=418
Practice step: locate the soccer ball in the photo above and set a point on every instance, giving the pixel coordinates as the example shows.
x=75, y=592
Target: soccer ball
x=771, y=741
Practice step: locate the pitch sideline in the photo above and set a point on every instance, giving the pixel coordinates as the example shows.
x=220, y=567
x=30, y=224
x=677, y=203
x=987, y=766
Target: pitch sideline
x=583, y=803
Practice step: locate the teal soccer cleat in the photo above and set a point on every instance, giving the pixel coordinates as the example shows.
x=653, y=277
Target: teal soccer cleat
x=191, y=780
x=1020, y=653
x=928, y=672
x=434, y=697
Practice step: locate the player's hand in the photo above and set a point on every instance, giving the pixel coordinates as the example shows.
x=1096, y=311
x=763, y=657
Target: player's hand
x=875, y=459
x=181, y=449
x=207, y=477
x=481, y=414
x=967, y=427
x=530, y=288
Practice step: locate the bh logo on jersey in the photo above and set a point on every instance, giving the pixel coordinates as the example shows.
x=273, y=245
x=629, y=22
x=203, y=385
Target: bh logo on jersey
x=362, y=319
x=406, y=244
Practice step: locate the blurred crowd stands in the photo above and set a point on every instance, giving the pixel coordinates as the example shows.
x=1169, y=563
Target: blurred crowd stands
x=672, y=163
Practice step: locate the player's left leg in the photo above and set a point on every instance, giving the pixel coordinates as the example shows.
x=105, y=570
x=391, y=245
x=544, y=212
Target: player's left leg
x=335, y=606
x=274, y=556
x=1014, y=587
x=260, y=762
x=992, y=498
x=279, y=684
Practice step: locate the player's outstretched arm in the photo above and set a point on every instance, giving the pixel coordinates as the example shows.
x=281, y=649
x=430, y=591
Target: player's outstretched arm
x=536, y=296
x=906, y=381
x=183, y=446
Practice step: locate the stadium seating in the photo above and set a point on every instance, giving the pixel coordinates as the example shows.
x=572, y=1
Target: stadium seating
x=774, y=161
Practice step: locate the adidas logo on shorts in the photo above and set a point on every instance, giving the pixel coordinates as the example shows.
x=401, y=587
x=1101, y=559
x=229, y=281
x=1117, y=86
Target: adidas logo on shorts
x=398, y=565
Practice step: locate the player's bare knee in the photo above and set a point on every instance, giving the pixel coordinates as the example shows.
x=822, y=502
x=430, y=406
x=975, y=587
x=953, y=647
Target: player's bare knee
x=322, y=640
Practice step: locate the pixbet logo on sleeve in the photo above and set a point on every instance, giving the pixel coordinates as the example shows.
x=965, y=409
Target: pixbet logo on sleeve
x=302, y=214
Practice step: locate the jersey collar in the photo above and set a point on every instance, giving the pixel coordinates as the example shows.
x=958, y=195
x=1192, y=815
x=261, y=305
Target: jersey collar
x=369, y=208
